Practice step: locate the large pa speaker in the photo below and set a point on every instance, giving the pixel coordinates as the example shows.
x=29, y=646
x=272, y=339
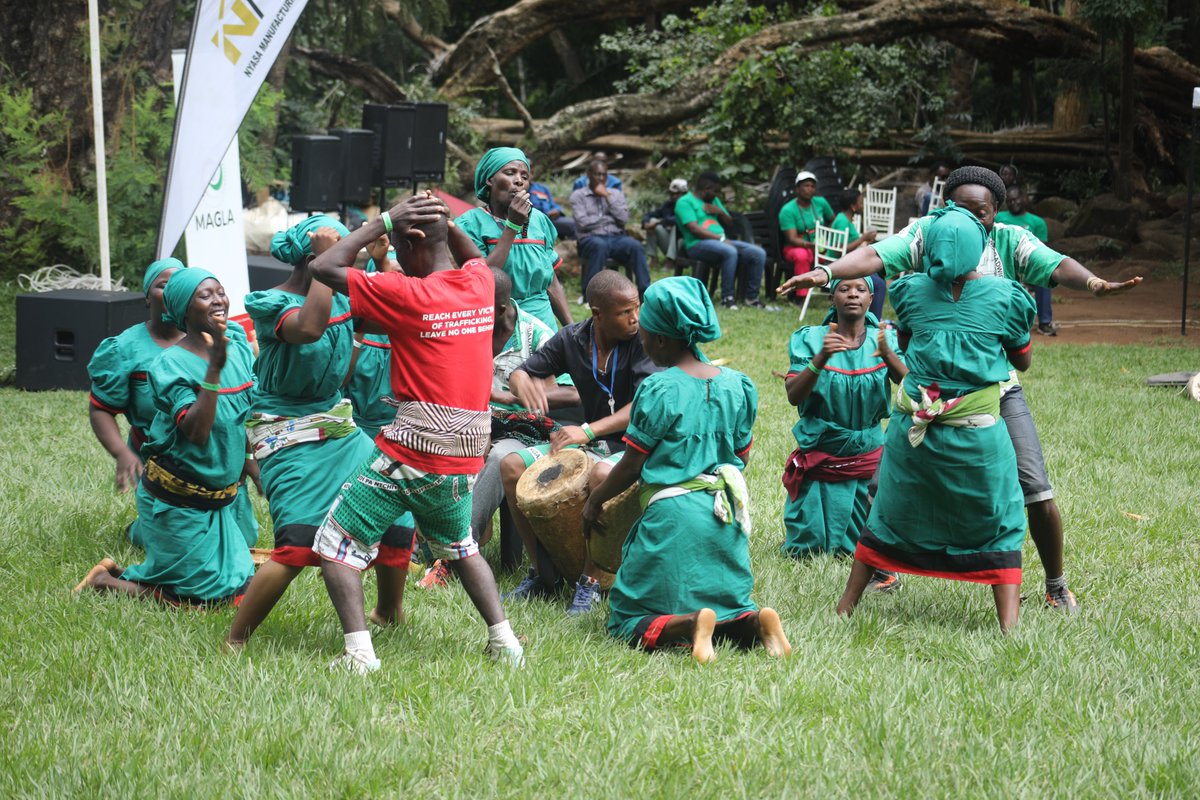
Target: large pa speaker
x=429, y=141
x=357, y=145
x=316, y=173
x=392, y=152
x=57, y=333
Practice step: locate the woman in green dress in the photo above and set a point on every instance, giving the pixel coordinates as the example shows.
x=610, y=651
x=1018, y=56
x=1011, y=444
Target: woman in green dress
x=949, y=503
x=118, y=371
x=516, y=237
x=685, y=570
x=189, y=522
x=838, y=382
x=302, y=430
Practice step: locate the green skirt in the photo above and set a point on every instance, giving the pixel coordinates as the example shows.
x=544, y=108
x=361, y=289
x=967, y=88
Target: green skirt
x=825, y=518
x=679, y=558
x=194, y=554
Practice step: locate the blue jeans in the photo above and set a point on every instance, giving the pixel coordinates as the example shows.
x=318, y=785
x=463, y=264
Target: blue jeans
x=1041, y=296
x=625, y=250
x=728, y=256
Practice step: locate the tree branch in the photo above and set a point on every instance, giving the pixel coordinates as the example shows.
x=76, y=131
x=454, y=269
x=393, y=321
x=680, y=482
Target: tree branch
x=378, y=85
x=507, y=90
x=408, y=24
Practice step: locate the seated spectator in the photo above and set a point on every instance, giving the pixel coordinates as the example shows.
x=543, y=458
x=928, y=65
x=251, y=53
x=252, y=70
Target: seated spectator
x=1017, y=214
x=850, y=202
x=612, y=182
x=543, y=201
x=924, y=194
x=659, y=224
x=798, y=220
x=703, y=217
x=1008, y=174
x=600, y=217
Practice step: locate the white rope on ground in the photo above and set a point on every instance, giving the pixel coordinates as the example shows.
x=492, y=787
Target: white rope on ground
x=60, y=276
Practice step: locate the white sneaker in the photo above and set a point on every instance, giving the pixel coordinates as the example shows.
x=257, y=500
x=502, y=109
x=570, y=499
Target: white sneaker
x=513, y=656
x=580, y=301
x=355, y=663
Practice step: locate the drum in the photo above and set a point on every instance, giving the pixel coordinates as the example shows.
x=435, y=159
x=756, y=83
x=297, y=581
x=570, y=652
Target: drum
x=551, y=495
x=608, y=534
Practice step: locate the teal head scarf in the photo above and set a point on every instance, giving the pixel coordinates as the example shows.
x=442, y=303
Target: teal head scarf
x=680, y=308
x=954, y=243
x=177, y=294
x=491, y=163
x=157, y=268
x=293, y=245
x=831, y=315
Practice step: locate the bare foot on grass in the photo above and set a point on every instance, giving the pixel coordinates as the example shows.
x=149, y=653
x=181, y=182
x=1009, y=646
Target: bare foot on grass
x=770, y=633
x=702, y=636
x=386, y=620
x=106, y=567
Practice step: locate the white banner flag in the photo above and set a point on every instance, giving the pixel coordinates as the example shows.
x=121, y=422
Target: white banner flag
x=215, y=234
x=233, y=44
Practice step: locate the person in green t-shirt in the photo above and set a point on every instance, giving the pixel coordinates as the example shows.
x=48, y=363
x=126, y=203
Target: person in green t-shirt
x=1017, y=214
x=702, y=218
x=1013, y=253
x=798, y=220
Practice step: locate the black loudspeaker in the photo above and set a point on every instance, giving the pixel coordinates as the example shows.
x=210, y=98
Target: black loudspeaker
x=57, y=333
x=357, y=147
x=316, y=173
x=392, y=153
x=429, y=141
x=266, y=272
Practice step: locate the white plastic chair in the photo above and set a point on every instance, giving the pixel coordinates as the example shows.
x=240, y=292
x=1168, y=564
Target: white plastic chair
x=879, y=210
x=831, y=245
x=936, y=200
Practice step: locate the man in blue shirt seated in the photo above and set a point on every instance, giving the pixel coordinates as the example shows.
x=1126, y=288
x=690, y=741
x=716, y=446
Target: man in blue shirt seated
x=600, y=217
x=541, y=199
x=612, y=181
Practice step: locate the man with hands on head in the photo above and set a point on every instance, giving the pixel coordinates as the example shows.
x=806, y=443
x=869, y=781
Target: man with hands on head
x=1013, y=253
x=600, y=217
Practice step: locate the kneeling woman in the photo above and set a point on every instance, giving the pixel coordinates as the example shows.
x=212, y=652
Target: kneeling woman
x=685, y=570
x=949, y=503
x=188, y=521
x=838, y=382
x=302, y=431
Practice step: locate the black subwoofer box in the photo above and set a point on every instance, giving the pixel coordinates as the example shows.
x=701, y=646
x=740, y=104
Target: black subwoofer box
x=58, y=331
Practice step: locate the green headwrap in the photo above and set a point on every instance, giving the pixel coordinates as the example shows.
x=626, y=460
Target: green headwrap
x=491, y=163
x=293, y=245
x=177, y=294
x=680, y=308
x=954, y=243
x=831, y=314
x=157, y=268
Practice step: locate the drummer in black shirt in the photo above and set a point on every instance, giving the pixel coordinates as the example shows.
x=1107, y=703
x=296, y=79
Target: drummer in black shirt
x=604, y=357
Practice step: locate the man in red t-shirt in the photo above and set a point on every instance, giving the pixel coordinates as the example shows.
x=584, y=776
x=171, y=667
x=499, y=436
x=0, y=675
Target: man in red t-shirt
x=439, y=320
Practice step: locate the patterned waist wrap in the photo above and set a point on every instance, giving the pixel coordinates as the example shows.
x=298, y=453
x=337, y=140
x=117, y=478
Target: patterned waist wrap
x=439, y=430
x=979, y=409
x=731, y=498
x=162, y=479
x=270, y=433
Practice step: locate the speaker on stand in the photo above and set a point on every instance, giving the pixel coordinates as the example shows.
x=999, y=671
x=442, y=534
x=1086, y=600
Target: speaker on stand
x=429, y=142
x=316, y=178
x=392, y=150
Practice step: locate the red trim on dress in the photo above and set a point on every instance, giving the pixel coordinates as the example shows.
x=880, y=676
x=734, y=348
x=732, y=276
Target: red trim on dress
x=875, y=368
x=236, y=389
x=640, y=448
x=283, y=316
x=741, y=453
x=380, y=345
x=1028, y=346
x=338, y=319
x=993, y=577
x=182, y=413
x=137, y=376
x=102, y=407
x=650, y=637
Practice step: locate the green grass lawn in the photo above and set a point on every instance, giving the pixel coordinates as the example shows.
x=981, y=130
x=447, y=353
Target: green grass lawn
x=917, y=695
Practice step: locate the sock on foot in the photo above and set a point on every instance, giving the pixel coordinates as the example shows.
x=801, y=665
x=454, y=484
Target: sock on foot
x=359, y=643
x=501, y=635
x=1056, y=585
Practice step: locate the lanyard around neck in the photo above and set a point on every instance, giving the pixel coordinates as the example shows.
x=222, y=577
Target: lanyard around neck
x=612, y=372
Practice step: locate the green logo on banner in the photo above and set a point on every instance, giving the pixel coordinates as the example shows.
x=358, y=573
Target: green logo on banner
x=219, y=178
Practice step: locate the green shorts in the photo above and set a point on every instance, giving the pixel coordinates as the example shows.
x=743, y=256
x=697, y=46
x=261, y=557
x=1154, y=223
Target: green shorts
x=379, y=492
x=597, y=451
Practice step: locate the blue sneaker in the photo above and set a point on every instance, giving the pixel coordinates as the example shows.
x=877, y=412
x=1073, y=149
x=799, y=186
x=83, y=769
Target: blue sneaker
x=530, y=587
x=587, y=597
